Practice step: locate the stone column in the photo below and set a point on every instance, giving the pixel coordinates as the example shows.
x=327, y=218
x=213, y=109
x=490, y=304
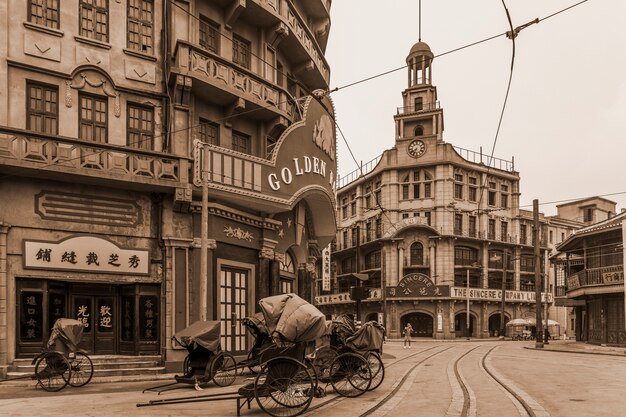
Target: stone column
x=266, y=255
x=275, y=273
x=4, y=328
x=400, y=262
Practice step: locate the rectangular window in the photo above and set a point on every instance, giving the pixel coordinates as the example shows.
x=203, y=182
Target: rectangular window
x=427, y=214
x=492, y=194
x=93, y=116
x=458, y=224
x=270, y=64
x=379, y=229
x=405, y=215
x=242, y=143
x=209, y=34
x=416, y=191
x=241, y=51
x=344, y=207
x=458, y=186
x=42, y=111
x=419, y=103
x=368, y=231
x=140, y=132
x=588, y=215
x=491, y=231
x=345, y=238
x=551, y=237
x=353, y=205
x=140, y=25
x=504, y=231
x=355, y=236
x=405, y=191
x=208, y=132
x=472, y=226
x=523, y=237
x=94, y=19
x=44, y=12
x=504, y=196
x=427, y=188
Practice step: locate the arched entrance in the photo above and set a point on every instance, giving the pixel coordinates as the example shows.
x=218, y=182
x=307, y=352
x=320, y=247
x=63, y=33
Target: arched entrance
x=494, y=324
x=422, y=324
x=372, y=317
x=460, y=325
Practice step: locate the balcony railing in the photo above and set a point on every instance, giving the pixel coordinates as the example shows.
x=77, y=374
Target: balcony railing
x=223, y=74
x=25, y=149
x=354, y=175
x=413, y=109
x=608, y=275
x=480, y=158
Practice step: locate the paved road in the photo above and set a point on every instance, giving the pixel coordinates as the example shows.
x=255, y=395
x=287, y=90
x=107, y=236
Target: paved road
x=450, y=379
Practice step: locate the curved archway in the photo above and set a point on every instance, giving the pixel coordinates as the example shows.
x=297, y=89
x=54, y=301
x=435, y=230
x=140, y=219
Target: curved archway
x=494, y=324
x=371, y=317
x=460, y=325
x=422, y=324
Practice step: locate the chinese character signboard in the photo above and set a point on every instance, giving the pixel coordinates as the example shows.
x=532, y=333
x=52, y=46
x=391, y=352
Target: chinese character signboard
x=83, y=312
x=148, y=317
x=31, y=325
x=326, y=269
x=128, y=318
x=105, y=315
x=344, y=297
x=417, y=285
x=85, y=253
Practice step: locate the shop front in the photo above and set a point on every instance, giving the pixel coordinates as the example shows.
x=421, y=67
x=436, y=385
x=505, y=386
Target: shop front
x=92, y=280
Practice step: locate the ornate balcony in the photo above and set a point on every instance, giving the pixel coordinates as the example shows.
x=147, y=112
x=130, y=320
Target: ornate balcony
x=611, y=277
x=226, y=83
x=32, y=154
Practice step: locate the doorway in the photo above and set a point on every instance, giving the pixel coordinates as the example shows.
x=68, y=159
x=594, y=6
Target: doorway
x=422, y=324
x=233, y=308
x=460, y=325
x=494, y=325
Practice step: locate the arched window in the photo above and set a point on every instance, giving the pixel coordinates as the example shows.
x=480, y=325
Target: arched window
x=417, y=254
x=419, y=131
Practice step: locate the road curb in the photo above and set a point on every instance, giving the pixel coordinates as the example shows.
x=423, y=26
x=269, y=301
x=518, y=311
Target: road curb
x=573, y=351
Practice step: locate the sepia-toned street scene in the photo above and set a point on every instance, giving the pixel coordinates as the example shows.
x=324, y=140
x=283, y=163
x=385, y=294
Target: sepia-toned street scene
x=254, y=207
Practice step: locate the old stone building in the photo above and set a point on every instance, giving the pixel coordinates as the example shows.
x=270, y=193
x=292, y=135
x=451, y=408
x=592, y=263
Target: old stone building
x=426, y=216
x=108, y=111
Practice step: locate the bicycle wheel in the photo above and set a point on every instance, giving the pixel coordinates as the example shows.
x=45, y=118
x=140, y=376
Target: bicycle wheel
x=52, y=371
x=284, y=388
x=377, y=368
x=223, y=369
x=82, y=370
x=350, y=375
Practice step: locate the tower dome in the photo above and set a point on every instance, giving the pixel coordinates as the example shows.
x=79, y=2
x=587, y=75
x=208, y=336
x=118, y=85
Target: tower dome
x=419, y=63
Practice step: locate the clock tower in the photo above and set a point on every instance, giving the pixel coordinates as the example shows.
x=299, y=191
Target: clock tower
x=419, y=123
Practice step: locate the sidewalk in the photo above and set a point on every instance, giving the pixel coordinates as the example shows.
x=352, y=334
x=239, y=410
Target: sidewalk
x=572, y=346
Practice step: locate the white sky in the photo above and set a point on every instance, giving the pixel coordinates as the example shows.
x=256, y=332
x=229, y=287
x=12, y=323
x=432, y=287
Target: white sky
x=565, y=120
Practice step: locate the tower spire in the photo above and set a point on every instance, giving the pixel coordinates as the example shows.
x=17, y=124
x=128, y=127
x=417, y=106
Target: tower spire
x=419, y=22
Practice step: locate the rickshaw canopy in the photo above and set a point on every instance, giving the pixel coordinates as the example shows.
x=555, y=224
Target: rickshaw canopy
x=292, y=319
x=256, y=323
x=69, y=331
x=201, y=333
x=368, y=337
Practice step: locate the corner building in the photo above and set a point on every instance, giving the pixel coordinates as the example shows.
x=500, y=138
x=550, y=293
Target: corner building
x=114, y=116
x=422, y=218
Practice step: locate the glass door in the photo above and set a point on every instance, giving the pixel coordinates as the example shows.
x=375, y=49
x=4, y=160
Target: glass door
x=233, y=308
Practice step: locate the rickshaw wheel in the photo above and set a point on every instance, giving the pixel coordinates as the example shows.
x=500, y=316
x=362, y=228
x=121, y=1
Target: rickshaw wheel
x=284, y=388
x=223, y=369
x=377, y=369
x=350, y=375
x=82, y=370
x=52, y=371
x=254, y=364
x=323, y=358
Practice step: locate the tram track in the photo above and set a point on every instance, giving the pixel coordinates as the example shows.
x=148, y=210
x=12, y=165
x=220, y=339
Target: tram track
x=396, y=387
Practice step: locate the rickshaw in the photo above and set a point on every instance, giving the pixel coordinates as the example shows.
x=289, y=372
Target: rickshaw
x=205, y=359
x=285, y=385
x=255, y=325
x=367, y=341
x=62, y=363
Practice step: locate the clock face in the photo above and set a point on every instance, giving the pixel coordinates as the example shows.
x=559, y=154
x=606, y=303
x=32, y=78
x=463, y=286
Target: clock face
x=416, y=148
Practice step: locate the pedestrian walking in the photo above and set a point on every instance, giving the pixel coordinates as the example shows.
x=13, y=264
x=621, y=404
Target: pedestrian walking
x=408, y=329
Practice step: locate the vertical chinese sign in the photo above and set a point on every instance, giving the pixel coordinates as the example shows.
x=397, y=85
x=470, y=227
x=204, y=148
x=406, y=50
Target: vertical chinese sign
x=31, y=319
x=326, y=269
x=148, y=317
